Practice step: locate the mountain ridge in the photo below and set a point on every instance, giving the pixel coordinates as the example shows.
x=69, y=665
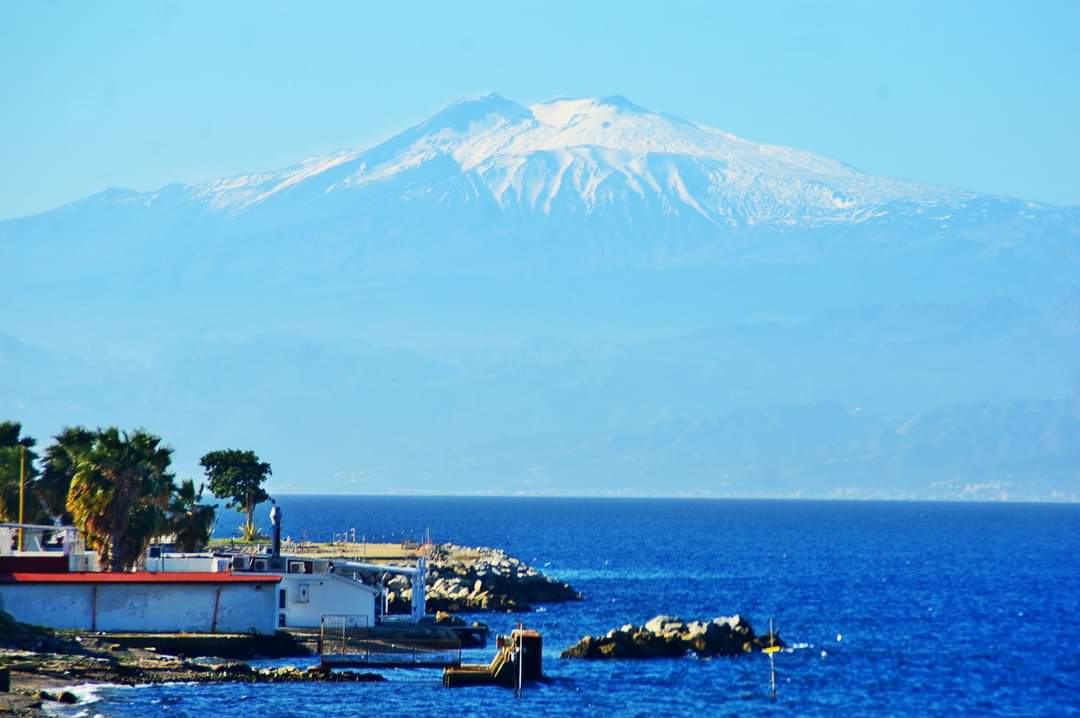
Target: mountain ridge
x=526, y=155
x=802, y=410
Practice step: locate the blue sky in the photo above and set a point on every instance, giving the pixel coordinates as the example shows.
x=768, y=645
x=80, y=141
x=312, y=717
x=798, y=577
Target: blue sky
x=974, y=95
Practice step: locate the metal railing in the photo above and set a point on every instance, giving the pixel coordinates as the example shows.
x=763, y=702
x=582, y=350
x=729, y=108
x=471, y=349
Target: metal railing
x=346, y=640
x=334, y=631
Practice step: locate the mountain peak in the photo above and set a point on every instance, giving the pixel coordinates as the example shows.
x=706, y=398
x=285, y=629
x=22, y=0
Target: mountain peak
x=565, y=112
x=622, y=103
x=460, y=115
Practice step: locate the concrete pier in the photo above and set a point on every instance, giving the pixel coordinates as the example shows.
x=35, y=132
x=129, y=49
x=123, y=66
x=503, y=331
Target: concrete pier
x=519, y=660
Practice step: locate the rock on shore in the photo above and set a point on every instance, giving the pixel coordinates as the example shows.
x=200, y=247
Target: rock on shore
x=670, y=637
x=462, y=579
x=139, y=667
x=40, y=676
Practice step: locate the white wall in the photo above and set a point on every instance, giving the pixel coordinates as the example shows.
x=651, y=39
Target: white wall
x=187, y=563
x=242, y=607
x=327, y=594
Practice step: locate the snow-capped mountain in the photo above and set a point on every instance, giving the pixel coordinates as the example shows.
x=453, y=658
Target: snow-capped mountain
x=581, y=292
x=613, y=202
x=586, y=155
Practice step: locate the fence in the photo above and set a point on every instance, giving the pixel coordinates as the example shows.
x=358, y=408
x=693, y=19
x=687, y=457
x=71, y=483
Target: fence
x=346, y=640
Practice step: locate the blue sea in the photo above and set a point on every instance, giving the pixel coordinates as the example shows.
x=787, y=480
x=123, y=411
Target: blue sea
x=888, y=609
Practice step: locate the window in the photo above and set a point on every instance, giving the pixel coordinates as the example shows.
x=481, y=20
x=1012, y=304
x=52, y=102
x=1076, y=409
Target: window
x=281, y=598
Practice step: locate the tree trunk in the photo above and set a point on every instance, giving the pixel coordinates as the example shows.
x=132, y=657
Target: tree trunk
x=116, y=557
x=118, y=535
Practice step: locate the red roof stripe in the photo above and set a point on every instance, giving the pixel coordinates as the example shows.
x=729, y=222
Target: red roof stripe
x=142, y=577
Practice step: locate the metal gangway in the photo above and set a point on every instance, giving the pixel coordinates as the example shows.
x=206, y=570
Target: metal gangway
x=347, y=641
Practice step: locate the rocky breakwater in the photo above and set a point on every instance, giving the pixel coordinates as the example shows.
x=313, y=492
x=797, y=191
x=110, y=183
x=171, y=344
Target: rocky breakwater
x=464, y=579
x=670, y=637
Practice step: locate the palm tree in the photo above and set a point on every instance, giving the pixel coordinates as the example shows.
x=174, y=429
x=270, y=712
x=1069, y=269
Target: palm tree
x=58, y=468
x=17, y=456
x=190, y=520
x=118, y=494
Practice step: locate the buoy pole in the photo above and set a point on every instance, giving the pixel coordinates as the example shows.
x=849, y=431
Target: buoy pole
x=772, y=661
x=520, y=688
x=772, y=676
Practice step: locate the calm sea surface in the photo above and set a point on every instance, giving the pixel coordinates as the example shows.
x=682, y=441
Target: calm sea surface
x=911, y=609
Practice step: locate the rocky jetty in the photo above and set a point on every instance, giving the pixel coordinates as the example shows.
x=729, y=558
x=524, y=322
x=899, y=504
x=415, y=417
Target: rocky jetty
x=464, y=579
x=670, y=637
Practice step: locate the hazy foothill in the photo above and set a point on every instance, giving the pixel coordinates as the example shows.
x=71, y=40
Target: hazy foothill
x=118, y=488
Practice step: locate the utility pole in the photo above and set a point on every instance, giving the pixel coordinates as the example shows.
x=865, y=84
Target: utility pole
x=22, y=491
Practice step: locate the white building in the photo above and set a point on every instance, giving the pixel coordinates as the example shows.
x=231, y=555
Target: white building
x=308, y=590
x=44, y=549
x=51, y=582
x=142, y=602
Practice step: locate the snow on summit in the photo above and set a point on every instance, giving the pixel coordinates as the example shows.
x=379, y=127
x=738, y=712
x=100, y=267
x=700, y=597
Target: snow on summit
x=586, y=155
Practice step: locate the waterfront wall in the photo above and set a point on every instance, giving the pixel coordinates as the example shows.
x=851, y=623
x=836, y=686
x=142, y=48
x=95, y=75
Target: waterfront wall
x=195, y=608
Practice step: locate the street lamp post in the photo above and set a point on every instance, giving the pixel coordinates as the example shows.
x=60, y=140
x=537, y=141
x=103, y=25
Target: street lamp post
x=22, y=491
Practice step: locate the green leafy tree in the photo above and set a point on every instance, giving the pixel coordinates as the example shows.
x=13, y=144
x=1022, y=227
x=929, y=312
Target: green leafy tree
x=119, y=492
x=238, y=476
x=16, y=449
x=58, y=468
x=190, y=519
